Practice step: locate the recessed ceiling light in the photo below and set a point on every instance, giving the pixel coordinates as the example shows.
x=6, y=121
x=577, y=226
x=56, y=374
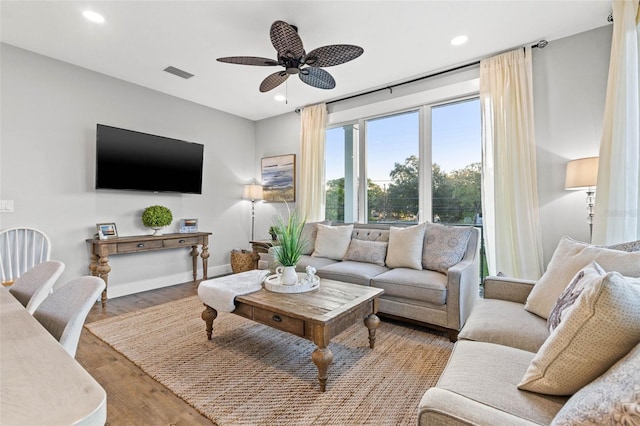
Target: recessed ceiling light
x=459, y=40
x=280, y=98
x=93, y=16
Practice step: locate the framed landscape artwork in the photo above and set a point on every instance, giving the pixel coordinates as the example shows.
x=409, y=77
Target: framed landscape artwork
x=279, y=178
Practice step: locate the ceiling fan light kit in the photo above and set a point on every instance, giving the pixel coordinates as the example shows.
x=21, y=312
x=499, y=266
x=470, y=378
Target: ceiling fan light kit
x=294, y=59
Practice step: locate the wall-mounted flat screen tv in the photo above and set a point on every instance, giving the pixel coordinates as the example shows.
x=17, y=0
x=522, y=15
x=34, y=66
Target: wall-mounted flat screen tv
x=126, y=159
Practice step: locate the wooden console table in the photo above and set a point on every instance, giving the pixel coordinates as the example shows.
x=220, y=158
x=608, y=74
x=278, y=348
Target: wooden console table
x=102, y=249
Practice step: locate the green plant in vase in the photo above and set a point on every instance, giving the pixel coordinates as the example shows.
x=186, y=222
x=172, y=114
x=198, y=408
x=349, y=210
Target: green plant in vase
x=156, y=218
x=290, y=247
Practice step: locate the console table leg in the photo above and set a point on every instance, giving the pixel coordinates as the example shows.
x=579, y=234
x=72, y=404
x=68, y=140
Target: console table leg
x=372, y=322
x=322, y=358
x=194, y=259
x=102, y=271
x=208, y=315
x=205, y=258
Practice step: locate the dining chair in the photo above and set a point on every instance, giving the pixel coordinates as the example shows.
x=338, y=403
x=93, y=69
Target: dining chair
x=20, y=250
x=64, y=311
x=36, y=284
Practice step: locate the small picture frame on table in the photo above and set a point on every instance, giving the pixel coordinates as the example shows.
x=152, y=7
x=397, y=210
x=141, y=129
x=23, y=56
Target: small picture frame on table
x=107, y=230
x=188, y=226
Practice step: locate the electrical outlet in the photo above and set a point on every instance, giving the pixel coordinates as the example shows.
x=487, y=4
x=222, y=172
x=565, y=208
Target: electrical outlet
x=6, y=206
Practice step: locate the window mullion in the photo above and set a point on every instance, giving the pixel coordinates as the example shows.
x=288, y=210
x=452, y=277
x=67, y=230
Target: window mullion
x=362, y=172
x=426, y=160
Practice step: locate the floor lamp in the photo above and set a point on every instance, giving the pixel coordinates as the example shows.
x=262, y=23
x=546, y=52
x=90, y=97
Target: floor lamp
x=253, y=192
x=582, y=174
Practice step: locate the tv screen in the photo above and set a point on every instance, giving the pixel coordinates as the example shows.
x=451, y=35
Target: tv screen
x=138, y=161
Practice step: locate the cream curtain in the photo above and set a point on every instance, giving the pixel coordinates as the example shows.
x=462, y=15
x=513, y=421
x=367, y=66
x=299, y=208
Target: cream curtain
x=509, y=187
x=311, y=201
x=617, y=207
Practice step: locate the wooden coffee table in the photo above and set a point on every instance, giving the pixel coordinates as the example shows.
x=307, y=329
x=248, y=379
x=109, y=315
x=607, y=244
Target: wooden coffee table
x=317, y=316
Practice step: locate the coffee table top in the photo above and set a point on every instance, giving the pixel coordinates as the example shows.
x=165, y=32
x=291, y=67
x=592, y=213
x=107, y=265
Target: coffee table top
x=329, y=301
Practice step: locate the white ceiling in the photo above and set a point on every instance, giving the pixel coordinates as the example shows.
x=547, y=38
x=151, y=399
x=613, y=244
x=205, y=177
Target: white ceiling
x=401, y=40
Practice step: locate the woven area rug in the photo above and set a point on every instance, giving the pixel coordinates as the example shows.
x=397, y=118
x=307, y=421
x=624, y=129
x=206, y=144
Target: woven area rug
x=251, y=374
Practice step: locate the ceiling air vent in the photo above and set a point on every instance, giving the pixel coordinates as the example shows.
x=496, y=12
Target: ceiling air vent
x=178, y=72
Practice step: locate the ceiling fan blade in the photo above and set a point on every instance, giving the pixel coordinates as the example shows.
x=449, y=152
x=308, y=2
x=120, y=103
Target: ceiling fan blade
x=317, y=77
x=334, y=54
x=272, y=81
x=248, y=60
x=286, y=40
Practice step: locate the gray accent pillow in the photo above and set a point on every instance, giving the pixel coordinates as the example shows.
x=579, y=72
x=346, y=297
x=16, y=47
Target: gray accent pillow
x=367, y=251
x=444, y=246
x=629, y=246
x=613, y=398
x=309, y=234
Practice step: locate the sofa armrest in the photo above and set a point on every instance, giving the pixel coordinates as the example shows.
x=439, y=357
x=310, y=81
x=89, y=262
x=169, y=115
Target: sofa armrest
x=463, y=284
x=510, y=289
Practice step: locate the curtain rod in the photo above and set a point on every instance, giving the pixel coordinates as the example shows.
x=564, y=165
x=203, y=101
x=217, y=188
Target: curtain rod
x=540, y=45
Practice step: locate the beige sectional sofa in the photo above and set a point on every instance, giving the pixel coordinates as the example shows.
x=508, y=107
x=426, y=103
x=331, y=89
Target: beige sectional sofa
x=507, y=368
x=429, y=272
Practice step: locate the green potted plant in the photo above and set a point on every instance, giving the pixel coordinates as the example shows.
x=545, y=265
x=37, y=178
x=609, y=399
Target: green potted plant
x=272, y=232
x=290, y=248
x=156, y=218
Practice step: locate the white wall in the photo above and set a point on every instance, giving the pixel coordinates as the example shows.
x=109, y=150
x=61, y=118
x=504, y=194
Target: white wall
x=570, y=81
x=570, y=77
x=49, y=111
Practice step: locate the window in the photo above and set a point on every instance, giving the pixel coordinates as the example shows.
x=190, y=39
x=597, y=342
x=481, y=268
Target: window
x=416, y=165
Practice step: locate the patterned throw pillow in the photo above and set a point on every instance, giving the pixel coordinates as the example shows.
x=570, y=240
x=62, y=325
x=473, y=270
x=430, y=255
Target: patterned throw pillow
x=601, y=327
x=611, y=399
x=405, y=247
x=571, y=293
x=367, y=251
x=332, y=242
x=630, y=246
x=444, y=246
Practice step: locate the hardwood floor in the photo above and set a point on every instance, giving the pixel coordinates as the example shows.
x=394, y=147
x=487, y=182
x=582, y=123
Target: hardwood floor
x=133, y=397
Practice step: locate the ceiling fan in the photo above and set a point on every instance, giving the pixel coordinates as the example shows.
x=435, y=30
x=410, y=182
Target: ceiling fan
x=292, y=56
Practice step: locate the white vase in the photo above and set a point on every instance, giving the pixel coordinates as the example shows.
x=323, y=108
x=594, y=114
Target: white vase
x=287, y=274
x=157, y=230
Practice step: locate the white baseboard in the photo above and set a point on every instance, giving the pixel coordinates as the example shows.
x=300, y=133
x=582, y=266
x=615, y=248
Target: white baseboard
x=164, y=281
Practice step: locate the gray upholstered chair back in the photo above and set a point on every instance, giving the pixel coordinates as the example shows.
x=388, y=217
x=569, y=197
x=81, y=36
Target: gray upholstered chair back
x=20, y=250
x=64, y=311
x=36, y=284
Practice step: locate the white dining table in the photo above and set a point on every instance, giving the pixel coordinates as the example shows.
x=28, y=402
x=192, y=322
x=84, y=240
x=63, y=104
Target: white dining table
x=40, y=383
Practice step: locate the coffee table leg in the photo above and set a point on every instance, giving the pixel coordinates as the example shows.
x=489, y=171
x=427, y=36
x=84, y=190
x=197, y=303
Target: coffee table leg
x=208, y=315
x=322, y=358
x=372, y=322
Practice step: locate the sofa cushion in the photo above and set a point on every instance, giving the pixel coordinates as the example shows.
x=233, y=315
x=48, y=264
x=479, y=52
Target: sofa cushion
x=601, y=327
x=316, y=262
x=332, y=241
x=571, y=256
x=367, y=251
x=425, y=286
x=444, y=246
x=370, y=234
x=505, y=323
x=488, y=373
x=613, y=398
x=592, y=272
x=309, y=234
x=405, y=247
x=351, y=272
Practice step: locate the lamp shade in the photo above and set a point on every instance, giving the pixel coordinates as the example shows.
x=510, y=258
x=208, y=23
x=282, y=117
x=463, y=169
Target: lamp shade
x=582, y=173
x=252, y=192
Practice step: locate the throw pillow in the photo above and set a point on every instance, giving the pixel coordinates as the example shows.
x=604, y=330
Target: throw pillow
x=571, y=256
x=602, y=326
x=571, y=293
x=332, y=241
x=444, y=246
x=367, y=251
x=405, y=247
x=309, y=234
x=611, y=399
x=630, y=246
